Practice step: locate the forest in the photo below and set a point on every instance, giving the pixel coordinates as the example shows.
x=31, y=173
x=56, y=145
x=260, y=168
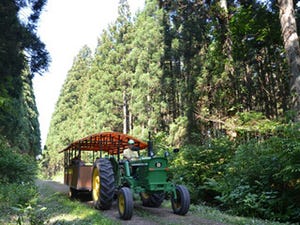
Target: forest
x=217, y=79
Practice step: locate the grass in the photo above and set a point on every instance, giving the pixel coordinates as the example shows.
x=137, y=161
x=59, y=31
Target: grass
x=56, y=208
x=216, y=215
x=14, y=199
x=50, y=207
x=212, y=215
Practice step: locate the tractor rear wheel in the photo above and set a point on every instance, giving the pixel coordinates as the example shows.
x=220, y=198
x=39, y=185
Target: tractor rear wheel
x=152, y=200
x=103, y=184
x=125, y=203
x=181, y=204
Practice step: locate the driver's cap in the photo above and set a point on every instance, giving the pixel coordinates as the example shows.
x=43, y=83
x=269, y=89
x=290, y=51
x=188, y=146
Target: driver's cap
x=131, y=142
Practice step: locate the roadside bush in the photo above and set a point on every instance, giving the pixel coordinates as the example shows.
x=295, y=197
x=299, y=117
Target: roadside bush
x=256, y=174
x=262, y=179
x=198, y=164
x=16, y=182
x=15, y=167
x=13, y=194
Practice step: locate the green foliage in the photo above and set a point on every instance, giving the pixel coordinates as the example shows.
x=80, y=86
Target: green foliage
x=147, y=42
x=262, y=179
x=251, y=124
x=15, y=168
x=255, y=174
x=20, y=37
x=22, y=55
x=178, y=132
x=17, y=190
x=198, y=164
x=28, y=140
x=15, y=195
x=69, y=112
x=17, y=202
x=204, y=211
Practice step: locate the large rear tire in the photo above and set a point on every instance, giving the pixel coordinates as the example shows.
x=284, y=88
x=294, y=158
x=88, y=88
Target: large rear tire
x=152, y=200
x=125, y=203
x=181, y=205
x=103, y=184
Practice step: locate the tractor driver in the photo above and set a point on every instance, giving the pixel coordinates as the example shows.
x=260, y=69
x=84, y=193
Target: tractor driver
x=128, y=153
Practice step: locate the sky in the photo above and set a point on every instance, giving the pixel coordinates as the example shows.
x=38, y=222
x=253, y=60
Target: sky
x=65, y=27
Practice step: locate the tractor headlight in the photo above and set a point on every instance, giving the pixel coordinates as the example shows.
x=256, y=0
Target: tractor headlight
x=158, y=164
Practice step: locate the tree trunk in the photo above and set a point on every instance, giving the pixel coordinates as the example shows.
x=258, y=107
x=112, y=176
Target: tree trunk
x=292, y=49
x=227, y=47
x=125, y=114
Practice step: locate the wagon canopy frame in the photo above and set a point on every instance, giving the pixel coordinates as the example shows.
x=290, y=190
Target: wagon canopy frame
x=112, y=143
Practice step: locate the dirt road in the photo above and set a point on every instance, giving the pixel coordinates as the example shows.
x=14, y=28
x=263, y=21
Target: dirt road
x=141, y=215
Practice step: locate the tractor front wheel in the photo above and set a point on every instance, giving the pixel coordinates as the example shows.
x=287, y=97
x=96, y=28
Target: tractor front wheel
x=181, y=204
x=103, y=184
x=125, y=203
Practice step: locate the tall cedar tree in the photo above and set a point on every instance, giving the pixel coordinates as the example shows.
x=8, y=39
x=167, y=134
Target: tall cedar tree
x=147, y=50
x=67, y=123
x=20, y=47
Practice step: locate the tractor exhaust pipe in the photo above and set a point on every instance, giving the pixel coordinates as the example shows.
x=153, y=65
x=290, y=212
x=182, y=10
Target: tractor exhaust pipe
x=150, y=146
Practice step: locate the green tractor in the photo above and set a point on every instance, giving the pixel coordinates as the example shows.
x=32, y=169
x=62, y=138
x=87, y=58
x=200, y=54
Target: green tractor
x=107, y=176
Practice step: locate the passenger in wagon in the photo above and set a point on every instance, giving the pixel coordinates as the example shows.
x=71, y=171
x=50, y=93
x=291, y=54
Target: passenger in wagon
x=77, y=161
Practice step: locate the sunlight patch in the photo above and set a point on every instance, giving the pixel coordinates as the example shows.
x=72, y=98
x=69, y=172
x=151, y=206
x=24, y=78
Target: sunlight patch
x=63, y=218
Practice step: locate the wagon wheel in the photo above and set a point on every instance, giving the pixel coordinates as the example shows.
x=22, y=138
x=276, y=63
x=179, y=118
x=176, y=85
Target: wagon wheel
x=181, y=205
x=73, y=193
x=103, y=184
x=125, y=203
x=152, y=200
